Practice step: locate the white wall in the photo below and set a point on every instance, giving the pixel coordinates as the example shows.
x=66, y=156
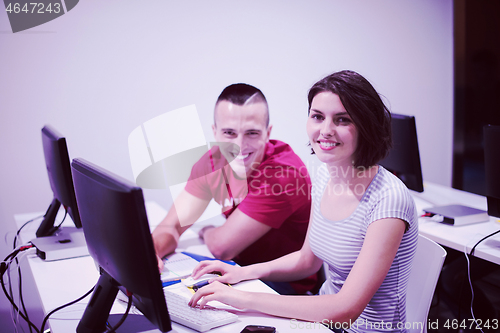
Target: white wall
x=105, y=67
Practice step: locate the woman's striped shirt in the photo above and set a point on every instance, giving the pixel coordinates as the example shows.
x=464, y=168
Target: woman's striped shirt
x=338, y=244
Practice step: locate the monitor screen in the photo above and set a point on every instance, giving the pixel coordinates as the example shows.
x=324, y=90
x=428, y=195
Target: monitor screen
x=119, y=240
x=491, y=163
x=61, y=183
x=404, y=158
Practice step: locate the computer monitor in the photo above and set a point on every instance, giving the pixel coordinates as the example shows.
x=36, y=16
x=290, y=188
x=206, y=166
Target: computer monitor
x=61, y=182
x=119, y=240
x=491, y=162
x=404, y=158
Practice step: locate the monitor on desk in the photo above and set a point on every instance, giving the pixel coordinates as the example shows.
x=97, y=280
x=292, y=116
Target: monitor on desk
x=491, y=163
x=404, y=158
x=119, y=240
x=60, y=179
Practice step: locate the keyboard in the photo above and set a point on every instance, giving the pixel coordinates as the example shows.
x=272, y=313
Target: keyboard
x=198, y=319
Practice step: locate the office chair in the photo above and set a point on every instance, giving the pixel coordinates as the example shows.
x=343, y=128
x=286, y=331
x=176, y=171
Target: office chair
x=424, y=275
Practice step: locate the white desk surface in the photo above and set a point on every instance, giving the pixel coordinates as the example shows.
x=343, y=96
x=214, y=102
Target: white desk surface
x=463, y=237
x=59, y=282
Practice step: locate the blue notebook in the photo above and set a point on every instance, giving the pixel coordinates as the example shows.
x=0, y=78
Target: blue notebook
x=198, y=257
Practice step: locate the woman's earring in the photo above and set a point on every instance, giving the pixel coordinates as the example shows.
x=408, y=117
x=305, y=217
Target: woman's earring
x=312, y=150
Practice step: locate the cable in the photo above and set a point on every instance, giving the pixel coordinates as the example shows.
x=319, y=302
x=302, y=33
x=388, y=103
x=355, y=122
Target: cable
x=122, y=319
x=19, y=230
x=4, y=267
x=62, y=307
x=469, y=277
x=11, y=295
x=19, y=269
x=14, y=316
x=482, y=239
x=21, y=299
x=468, y=265
x=471, y=287
x=64, y=218
x=15, y=311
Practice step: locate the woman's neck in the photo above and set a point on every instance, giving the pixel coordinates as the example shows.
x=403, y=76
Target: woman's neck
x=351, y=178
x=348, y=172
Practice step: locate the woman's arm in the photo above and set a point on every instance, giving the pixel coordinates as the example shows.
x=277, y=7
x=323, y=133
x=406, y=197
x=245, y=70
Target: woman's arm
x=369, y=271
x=293, y=266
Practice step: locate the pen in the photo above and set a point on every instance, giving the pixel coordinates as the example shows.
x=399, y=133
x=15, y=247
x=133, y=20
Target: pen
x=199, y=285
x=169, y=283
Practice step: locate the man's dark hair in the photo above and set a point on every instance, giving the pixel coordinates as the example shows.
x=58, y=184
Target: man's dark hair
x=241, y=93
x=367, y=110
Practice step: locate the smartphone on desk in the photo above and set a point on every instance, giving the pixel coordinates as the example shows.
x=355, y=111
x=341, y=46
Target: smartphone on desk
x=258, y=329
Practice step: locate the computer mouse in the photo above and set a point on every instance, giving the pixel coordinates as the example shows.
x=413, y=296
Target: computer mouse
x=189, y=281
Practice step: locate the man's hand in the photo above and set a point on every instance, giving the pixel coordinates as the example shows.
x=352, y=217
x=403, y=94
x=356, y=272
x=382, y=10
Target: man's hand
x=166, y=234
x=160, y=263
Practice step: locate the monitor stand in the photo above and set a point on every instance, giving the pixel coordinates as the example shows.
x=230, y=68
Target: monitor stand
x=67, y=242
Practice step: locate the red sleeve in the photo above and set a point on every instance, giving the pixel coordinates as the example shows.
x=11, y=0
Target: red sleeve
x=275, y=194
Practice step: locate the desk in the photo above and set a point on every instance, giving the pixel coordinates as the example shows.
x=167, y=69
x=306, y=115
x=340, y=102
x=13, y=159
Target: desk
x=458, y=237
x=59, y=282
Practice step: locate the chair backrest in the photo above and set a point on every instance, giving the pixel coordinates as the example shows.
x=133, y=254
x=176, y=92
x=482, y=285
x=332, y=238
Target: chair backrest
x=424, y=275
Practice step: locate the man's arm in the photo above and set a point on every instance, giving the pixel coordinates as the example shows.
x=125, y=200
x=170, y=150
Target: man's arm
x=240, y=230
x=184, y=212
x=236, y=234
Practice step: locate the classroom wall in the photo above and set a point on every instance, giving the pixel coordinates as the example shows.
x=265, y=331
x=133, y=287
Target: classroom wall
x=105, y=67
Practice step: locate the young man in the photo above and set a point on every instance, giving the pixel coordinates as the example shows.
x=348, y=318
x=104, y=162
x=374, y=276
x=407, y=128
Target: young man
x=261, y=184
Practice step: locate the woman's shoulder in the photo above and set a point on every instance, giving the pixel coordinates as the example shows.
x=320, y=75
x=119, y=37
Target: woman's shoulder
x=393, y=195
x=388, y=181
x=389, y=191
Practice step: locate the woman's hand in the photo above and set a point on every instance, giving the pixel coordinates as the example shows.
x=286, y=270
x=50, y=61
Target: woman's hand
x=217, y=291
x=230, y=274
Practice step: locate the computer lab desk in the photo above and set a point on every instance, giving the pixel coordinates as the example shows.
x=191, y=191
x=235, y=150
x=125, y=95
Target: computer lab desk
x=460, y=238
x=59, y=282
x=62, y=281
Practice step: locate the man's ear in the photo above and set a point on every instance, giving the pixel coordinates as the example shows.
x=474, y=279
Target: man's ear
x=214, y=130
x=269, y=128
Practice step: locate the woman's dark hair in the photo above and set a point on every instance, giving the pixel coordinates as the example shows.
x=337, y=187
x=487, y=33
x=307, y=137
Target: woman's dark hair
x=367, y=110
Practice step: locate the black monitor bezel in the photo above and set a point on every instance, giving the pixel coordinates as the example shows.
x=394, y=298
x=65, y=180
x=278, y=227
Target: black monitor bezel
x=118, y=237
x=404, y=158
x=491, y=136
x=57, y=164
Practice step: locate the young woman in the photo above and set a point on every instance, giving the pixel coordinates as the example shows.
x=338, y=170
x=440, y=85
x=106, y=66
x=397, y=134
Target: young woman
x=363, y=222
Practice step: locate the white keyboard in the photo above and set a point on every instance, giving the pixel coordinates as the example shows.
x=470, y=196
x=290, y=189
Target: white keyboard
x=198, y=319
